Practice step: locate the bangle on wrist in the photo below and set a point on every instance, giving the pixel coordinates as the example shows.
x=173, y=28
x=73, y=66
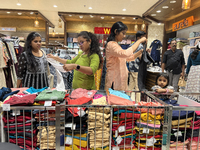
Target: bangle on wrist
x=167, y=91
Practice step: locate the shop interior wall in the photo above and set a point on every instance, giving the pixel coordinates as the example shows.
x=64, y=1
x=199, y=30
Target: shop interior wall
x=23, y=26
x=184, y=33
x=76, y=27
x=155, y=32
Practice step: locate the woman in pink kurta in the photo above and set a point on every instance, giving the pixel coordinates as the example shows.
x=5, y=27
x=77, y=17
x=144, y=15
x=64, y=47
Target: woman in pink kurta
x=116, y=57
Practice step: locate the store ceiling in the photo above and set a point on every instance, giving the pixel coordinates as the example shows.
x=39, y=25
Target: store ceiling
x=174, y=10
x=46, y=7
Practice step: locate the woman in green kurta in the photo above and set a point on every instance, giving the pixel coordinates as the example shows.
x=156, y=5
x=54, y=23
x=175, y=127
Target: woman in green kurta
x=86, y=63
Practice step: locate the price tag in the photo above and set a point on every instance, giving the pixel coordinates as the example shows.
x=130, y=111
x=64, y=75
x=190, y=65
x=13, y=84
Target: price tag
x=16, y=112
x=121, y=129
x=89, y=93
x=70, y=125
x=153, y=140
x=73, y=127
x=116, y=133
x=178, y=133
x=146, y=130
x=119, y=139
x=149, y=142
x=81, y=113
x=68, y=141
x=6, y=107
x=47, y=103
x=115, y=148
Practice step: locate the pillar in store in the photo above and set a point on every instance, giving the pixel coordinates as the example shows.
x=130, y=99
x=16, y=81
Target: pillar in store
x=47, y=32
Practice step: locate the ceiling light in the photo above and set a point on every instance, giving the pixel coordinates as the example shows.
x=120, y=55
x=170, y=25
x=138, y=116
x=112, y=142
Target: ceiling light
x=59, y=23
x=19, y=4
x=8, y=12
x=143, y=27
x=158, y=11
x=55, y=6
x=124, y=9
x=53, y=33
x=172, y=8
x=91, y=16
x=19, y=13
x=80, y=16
x=159, y=23
x=153, y=14
x=31, y=13
x=113, y=17
x=90, y=8
x=136, y=27
x=165, y=7
x=133, y=18
x=186, y=4
x=56, y=32
x=36, y=22
x=172, y=2
x=70, y=15
x=102, y=17
x=123, y=17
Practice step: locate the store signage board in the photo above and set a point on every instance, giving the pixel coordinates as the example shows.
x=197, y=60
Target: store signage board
x=102, y=30
x=12, y=29
x=183, y=23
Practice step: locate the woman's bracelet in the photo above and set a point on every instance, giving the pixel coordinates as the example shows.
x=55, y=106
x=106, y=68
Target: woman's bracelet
x=167, y=91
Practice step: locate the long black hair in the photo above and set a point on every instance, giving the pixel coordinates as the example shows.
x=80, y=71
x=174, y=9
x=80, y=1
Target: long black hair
x=163, y=75
x=94, y=47
x=195, y=53
x=28, y=49
x=118, y=26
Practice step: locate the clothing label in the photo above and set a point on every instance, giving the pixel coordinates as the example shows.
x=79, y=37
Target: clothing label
x=178, y=133
x=81, y=113
x=47, y=103
x=116, y=133
x=115, y=148
x=70, y=125
x=89, y=93
x=16, y=112
x=151, y=141
x=68, y=141
x=6, y=107
x=121, y=129
x=73, y=127
x=119, y=139
x=146, y=130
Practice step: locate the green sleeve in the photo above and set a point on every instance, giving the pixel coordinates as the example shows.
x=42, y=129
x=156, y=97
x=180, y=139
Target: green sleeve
x=94, y=62
x=73, y=61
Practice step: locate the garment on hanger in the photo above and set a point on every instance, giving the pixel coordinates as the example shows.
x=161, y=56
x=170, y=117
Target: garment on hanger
x=186, y=52
x=155, y=51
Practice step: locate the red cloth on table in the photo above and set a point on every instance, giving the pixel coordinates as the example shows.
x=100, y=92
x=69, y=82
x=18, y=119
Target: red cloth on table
x=18, y=118
x=116, y=100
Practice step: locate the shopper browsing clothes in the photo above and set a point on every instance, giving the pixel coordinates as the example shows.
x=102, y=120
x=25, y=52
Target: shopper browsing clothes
x=86, y=63
x=174, y=63
x=33, y=66
x=116, y=57
x=193, y=71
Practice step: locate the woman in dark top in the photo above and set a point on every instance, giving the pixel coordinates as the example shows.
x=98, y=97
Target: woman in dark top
x=32, y=69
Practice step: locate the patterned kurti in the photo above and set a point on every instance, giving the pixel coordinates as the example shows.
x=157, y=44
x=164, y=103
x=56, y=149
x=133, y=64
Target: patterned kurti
x=30, y=78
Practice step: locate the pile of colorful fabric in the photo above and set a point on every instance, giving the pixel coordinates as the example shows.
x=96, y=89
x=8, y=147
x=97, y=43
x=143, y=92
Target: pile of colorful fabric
x=148, y=126
x=16, y=122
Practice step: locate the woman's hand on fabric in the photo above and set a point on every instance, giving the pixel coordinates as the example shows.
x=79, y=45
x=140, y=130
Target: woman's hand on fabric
x=69, y=67
x=51, y=56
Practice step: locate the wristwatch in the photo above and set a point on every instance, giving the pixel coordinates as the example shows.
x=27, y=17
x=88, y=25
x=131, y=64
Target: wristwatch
x=77, y=67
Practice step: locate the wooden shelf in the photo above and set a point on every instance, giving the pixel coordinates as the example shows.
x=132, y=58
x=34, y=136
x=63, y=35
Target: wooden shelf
x=198, y=37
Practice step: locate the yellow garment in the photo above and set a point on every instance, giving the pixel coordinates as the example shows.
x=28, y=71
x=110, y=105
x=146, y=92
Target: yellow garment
x=117, y=71
x=100, y=101
x=36, y=104
x=188, y=125
x=144, y=145
x=100, y=109
x=98, y=144
x=78, y=135
x=105, y=121
x=97, y=76
x=151, y=131
x=181, y=121
x=77, y=142
x=93, y=115
x=150, y=117
x=76, y=148
x=149, y=122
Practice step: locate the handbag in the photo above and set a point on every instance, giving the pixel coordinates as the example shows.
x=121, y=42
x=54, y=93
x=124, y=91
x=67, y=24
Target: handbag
x=181, y=82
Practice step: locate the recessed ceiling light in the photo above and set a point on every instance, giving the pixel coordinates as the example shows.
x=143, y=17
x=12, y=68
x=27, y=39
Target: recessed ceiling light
x=55, y=6
x=159, y=23
x=124, y=9
x=153, y=14
x=8, y=12
x=90, y=8
x=133, y=18
x=123, y=17
x=165, y=7
x=80, y=16
x=31, y=13
x=19, y=4
x=158, y=11
x=102, y=17
x=70, y=15
x=113, y=17
x=172, y=2
x=172, y=8
x=19, y=13
x=91, y=16
x=56, y=32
